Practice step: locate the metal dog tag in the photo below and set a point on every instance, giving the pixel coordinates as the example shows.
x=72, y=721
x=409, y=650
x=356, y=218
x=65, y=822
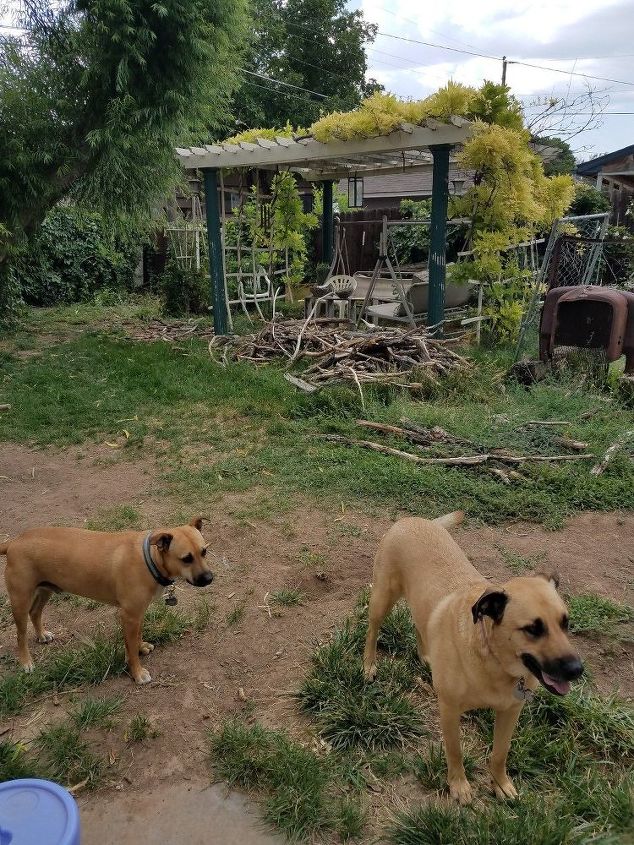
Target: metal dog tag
x=169, y=596
x=521, y=691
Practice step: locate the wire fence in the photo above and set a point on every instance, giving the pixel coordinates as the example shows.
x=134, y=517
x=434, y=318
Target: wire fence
x=581, y=265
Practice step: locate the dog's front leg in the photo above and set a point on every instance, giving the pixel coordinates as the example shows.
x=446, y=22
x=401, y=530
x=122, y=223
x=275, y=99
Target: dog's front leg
x=505, y=722
x=450, y=725
x=131, y=624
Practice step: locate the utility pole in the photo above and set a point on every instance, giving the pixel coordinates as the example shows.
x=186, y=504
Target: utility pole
x=504, y=63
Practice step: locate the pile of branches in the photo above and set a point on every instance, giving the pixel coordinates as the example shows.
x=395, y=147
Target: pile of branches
x=169, y=331
x=391, y=356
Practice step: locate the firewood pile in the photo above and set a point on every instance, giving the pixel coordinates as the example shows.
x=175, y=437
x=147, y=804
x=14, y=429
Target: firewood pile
x=405, y=358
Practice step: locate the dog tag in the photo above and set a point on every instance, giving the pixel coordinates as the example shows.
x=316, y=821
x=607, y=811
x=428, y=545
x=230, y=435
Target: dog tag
x=521, y=691
x=171, y=600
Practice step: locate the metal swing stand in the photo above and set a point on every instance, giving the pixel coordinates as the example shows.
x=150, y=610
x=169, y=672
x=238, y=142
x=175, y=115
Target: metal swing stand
x=383, y=261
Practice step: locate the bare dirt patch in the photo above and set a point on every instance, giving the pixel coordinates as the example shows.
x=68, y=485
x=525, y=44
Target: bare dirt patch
x=253, y=653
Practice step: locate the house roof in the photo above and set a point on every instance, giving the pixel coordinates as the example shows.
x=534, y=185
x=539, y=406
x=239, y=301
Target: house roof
x=592, y=167
x=407, y=148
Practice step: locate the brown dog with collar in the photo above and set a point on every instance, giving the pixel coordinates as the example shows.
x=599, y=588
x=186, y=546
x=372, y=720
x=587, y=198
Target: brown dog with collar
x=126, y=569
x=488, y=646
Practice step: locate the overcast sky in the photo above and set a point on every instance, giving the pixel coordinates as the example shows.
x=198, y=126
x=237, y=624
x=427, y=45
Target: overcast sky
x=594, y=37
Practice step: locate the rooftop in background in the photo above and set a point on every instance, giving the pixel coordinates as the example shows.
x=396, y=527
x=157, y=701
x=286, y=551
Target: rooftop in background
x=403, y=150
x=592, y=167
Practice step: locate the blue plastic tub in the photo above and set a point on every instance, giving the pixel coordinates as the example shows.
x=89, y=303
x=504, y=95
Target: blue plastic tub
x=37, y=812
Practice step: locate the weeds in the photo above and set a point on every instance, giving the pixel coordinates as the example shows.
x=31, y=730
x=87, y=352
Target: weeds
x=140, y=729
x=89, y=664
x=592, y=614
x=66, y=757
x=287, y=598
x=96, y=712
x=116, y=518
x=520, y=564
x=236, y=615
x=300, y=792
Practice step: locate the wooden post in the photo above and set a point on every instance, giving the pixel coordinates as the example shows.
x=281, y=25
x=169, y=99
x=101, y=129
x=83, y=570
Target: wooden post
x=438, y=234
x=216, y=274
x=327, y=223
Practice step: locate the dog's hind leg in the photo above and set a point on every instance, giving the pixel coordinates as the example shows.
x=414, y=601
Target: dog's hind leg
x=505, y=721
x=42, y=595
x=21, y=597
x=382, y=601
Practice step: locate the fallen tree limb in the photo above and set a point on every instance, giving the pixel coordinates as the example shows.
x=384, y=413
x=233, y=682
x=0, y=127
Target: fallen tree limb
x=618, y=444
x=461, y=460
x=5, y=407
x=569, y=443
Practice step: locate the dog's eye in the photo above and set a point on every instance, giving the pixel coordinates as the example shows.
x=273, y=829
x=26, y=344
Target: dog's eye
x=203, y=552
x=564, y=623
x=189, y=558
x=535, y=629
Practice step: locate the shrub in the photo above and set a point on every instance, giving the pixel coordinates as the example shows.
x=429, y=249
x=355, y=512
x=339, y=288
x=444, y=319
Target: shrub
x=185, y=290
x=74, y=255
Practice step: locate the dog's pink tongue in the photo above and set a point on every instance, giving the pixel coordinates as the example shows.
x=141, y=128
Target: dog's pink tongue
x=562, y=687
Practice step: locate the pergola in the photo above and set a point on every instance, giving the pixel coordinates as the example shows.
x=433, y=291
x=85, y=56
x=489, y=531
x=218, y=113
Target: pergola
x=407, y=148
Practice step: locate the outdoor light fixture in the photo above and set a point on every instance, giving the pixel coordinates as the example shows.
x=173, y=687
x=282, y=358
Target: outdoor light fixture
x=355, y=191
x=458, y=185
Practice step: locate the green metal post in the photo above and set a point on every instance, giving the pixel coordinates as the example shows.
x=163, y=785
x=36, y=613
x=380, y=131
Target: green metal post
x=327, y=223
x=438, y=234
x=212, y=208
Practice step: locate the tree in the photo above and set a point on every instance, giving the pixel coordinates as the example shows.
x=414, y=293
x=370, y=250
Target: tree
x=95, y=94
x=589, y=200
x=316, y=45
x=564, y=162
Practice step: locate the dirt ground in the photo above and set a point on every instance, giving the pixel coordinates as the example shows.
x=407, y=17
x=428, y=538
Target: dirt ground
x=257, y=663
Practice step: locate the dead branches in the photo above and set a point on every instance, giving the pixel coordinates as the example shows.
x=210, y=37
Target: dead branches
x=168, y=331
x=391, y=356
x=460, y=460
x=618, y=444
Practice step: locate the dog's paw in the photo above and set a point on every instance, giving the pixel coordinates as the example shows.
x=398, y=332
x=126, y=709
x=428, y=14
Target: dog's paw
x=146, y=648
x=460, y=791
x=369, y=672
x=28, y=667
x=503, y=787
x=46, y=637
x=143, y=677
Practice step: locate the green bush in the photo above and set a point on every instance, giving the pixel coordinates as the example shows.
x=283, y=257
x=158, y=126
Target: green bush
x=73, y=256
x=185, y=290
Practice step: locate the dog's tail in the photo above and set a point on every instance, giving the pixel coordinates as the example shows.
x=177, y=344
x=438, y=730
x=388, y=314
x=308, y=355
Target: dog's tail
x=450, y=520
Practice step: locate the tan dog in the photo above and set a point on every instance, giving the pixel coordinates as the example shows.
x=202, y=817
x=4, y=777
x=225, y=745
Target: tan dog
x=126, y=569
x=488, y=646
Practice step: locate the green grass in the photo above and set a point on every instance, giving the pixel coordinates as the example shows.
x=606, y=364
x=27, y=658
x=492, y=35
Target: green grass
x=116, y=518
x=140, y=729
x=235, y=616
x=300, y=791
x=89, y=664
x=352, y=713
x=96, y=712
x=67, y=757
x=596, y=615
x=14, y=762
x=260, y=430
x=287, y=597
x=520, y=564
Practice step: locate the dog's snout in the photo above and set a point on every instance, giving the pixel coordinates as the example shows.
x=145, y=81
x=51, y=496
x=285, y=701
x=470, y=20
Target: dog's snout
x=204, y=579
x=568, y=668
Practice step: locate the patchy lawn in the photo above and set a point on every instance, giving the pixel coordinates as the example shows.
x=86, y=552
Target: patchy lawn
x=257, y=680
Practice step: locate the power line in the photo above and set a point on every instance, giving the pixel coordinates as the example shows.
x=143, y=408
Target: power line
x=283, y=93
x=286, y=84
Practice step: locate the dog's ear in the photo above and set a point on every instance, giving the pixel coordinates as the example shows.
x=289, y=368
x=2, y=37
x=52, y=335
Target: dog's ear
x=196, y=522
x=162, y=540
x=551, y=575
x=491, y=603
